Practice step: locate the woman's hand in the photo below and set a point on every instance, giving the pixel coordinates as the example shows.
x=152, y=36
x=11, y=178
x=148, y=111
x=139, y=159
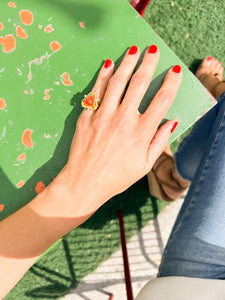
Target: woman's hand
x=112, y=148
x=115, y=145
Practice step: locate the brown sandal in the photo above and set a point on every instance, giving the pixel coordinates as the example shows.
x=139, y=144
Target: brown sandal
x=155, y=183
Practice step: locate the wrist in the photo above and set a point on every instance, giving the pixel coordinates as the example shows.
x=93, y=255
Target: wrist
x=67, y=198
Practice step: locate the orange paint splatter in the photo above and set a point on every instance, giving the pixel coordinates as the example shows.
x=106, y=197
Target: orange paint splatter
x=1, y=26
x=11, y=4
x=39, y=187
x=81, y=24
x=1, y=207
x=26, y=92
x=21, y=157
x=26, y=138
x=21, y=33
x=26, y=17
x=65, y=78
x=47, y=96
x=55, y=46
x=9, y=43
x=20, y=184
x=2, y=104
x=37, y=61
x=48, y=28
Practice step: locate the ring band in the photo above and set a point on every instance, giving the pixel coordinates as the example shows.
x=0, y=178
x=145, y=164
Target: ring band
x=90, y=101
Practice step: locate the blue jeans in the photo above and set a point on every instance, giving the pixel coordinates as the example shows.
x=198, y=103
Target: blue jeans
x=196, y=247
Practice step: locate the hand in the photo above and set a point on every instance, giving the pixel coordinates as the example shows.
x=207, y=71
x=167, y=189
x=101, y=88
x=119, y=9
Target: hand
x=115, y=146
x=112, y=148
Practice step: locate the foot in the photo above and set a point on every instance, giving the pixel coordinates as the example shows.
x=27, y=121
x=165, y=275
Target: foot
x=210, y=73
x=171, y=184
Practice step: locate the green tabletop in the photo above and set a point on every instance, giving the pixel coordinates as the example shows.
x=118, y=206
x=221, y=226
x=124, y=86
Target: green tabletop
x=50, y=53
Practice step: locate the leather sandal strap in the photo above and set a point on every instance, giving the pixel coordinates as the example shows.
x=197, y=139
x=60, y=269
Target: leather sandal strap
x=164, y=156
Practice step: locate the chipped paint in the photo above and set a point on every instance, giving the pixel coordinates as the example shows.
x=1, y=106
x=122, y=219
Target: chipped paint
x=3, y=132
x=8, y=42
x=36, y=61
x=47, y=96
x=48, y=28
x=21, y=33
x=82, y=25
x=26, y=138
x=22, y=157
x=20, y=184
x=40, y=186
x=65, y=79
x=55, y=46
x=2, y=104
x=12, y=4
x=26, y=17
x=19, y=71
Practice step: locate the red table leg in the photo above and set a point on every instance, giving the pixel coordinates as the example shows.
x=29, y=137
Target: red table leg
x=125, y=258
x=140, y=5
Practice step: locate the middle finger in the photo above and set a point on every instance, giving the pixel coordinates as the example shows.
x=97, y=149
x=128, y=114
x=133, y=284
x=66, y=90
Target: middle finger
x=119, y=80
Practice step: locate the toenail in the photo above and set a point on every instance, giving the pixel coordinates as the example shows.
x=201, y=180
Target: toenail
x=209, y=58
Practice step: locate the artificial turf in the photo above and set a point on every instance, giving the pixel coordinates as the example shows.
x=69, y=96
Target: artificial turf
x=193, y=29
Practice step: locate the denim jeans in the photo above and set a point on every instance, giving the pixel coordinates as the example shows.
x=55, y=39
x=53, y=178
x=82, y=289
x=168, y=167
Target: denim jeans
x=196, y=247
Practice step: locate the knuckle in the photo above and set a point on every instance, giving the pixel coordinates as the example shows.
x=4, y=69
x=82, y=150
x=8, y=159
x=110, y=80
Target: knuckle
x=96, y=124
x=81, y=122
x=116, y=81
x=139, y=79
x=164, y=96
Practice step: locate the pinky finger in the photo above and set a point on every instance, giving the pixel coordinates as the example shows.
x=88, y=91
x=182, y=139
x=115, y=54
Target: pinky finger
x=160, y=141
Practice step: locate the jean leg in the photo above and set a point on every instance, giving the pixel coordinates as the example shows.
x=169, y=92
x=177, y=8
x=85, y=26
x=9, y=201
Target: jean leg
x=196, y=247
x=192, y=149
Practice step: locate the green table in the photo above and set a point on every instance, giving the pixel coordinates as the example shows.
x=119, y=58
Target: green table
x=50, y=53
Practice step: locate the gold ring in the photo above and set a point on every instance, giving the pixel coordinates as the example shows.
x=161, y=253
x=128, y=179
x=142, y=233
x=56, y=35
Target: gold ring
x=90, y=101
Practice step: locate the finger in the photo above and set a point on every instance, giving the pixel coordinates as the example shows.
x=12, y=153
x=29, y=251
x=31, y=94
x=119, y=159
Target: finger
x=119, y=80
x=141, y=79
x=160, y=141
x=163, y=99
x=102, y=80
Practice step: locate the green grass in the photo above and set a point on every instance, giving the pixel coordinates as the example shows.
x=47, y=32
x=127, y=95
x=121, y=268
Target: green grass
x=193, y=29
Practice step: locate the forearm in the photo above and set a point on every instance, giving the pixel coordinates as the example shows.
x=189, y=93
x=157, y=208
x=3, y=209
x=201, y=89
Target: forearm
x=29, y=232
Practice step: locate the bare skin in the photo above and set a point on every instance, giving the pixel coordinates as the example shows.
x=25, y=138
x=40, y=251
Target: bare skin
x=210, y=73
x=101, y=163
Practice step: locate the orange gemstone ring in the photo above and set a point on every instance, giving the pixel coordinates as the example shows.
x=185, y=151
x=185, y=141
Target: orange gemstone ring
x=90, y=101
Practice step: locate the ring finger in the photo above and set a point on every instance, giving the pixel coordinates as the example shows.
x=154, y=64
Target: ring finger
x=102, y=81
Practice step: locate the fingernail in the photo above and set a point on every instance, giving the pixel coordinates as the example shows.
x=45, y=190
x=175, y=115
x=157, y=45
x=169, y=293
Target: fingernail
x=133, y=50
x=176, y=69
x=174, y=126
x=108, y=63
x=152, y=49
x=209, y=58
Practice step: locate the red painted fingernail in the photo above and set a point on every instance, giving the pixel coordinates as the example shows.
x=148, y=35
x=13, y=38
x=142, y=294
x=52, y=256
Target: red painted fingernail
x=209, y=58
x=176, y=69
x=108, y=63
x=152, y=49
x=174, y=126
x=133, y=50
